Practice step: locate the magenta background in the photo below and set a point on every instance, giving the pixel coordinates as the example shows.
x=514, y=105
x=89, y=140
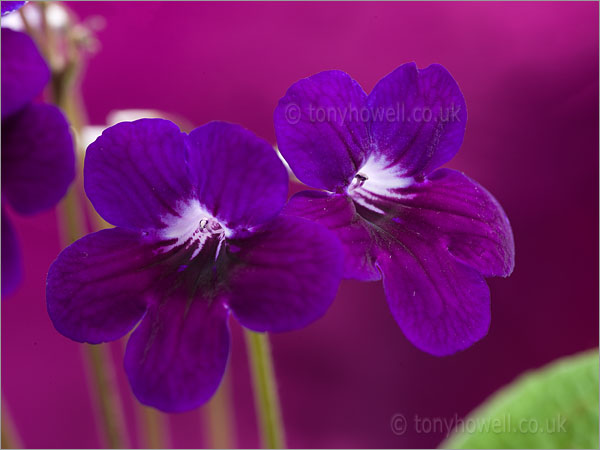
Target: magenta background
x=529, y=73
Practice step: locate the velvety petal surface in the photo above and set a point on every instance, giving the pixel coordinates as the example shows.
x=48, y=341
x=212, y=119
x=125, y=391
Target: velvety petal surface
x=450, y=208
x=338, y=213
x=136, y=175
x=24, y=71
x=474, y=226
x=429, y=124
x=285, y=277
x=435, y=241
x=176, y=357
x=8, y=7
x=97, y=287
x=12, y=261
x=239, y=178
x=321, y=126
x=38, y=160
x=441, y=304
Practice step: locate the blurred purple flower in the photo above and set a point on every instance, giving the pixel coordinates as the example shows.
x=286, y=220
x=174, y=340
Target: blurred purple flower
x=38, y=162
x=8, y=7
x=431, y=235
x=198, y=234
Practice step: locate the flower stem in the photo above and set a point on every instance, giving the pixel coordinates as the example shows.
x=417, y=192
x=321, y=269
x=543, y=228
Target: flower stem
x=111, y=410
x=71, y=218
x=102, y=373
x=265, y=390
x=153, y=428
x=220, y=422
x=73, y=227
x=10, y=435
x=152, y=425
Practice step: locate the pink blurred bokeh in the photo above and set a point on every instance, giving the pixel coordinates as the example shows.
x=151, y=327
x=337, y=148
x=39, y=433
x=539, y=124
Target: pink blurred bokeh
x=529, y=73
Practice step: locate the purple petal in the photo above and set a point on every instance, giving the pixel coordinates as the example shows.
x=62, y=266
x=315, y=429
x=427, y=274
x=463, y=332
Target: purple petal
x=176, y=358
x=321, y=129
x=8, y=7
x=12, y=262
x=38, y=160
x=476, y=229
x=286, y=277
x=452, y=209
x=24, y=71
x=437, y=239
x=239, y=177
x=136, y=175
x=337, y=212
x=96, y=288
x=441, y=305
x=429, y=124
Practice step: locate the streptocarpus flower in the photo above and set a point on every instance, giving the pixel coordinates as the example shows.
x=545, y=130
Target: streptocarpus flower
x=38, y=162
x=431, y=235
x=198, y=234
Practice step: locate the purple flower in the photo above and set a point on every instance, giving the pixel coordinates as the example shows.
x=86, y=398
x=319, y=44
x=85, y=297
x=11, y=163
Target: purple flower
x=198, y=234
x=8, y=7
x=431, y=235
x=38, y=162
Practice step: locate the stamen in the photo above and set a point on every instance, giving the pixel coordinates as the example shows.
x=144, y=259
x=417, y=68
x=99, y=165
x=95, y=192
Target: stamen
x=378, y=179
x=192, y=228
x=359, y=180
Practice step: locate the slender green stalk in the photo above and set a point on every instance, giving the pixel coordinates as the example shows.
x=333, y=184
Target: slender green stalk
x=102, y=373
x=152, y=425
x=107, y=395
x=10, y=435
x=265, y=390
x=73, y=226
x=70, y=217
x=220, y=422
x=153, y=428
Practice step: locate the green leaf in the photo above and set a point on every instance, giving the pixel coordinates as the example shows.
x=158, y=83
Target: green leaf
x=554, y=407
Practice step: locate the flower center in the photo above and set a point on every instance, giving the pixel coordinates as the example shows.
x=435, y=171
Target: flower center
x=378, y=180
x=210, y=226
x=192, y=229
x=358, y=180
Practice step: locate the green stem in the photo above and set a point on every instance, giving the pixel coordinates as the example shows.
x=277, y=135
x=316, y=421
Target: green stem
x=72, y=218
x=10, y=435
x=107, y=393
x=220, y=422
x=153, y=428
x=152, y=425
x=265, y=390
x=102, y=373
